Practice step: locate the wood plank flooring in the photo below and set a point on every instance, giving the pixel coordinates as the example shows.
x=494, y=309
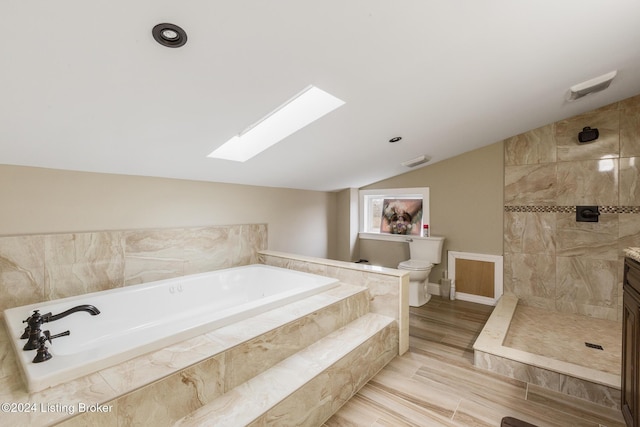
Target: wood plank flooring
x=436, y=384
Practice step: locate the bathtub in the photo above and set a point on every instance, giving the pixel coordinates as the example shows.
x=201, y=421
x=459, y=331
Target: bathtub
x=138, y=319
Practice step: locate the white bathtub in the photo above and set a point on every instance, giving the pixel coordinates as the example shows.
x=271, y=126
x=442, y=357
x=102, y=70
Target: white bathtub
x=138, y=319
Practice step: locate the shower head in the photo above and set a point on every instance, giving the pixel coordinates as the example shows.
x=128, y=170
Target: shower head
x=588, y=135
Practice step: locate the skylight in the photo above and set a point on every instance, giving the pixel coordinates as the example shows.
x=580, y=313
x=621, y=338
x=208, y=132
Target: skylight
x=303, y=109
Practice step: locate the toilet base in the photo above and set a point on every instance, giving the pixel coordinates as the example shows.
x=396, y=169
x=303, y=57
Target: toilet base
x=419, y=303
x=418, y=294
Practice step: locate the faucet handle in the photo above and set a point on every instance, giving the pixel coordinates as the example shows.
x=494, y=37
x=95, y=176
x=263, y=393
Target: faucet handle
x=32, y=331
x=49, y=337
x=35, y=313
x=29, y=318
x=43, y=351
x=27, y=329
x=37, y=318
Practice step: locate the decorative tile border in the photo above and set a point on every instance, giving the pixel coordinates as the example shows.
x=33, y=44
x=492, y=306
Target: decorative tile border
x=620, y=209
x=572, y=209
x=541, y=209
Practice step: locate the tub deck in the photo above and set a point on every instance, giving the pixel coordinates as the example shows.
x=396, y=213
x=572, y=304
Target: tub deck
x=195, y=373
x=188, y=359
x=138, y=319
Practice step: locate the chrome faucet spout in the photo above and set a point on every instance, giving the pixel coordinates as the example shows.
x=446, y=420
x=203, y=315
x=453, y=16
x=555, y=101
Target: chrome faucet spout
x=85, y=307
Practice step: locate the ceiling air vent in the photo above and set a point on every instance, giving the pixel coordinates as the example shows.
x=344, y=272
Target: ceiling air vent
x=594, y=85
x=417, y=161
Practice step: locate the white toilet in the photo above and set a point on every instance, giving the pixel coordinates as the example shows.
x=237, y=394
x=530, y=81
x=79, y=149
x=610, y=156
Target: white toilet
x=424, y=253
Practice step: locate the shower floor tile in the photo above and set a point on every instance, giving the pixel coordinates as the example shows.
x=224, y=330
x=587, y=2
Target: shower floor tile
x=562, y=336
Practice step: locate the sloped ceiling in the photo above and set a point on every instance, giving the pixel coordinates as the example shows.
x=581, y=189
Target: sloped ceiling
x=85, y=87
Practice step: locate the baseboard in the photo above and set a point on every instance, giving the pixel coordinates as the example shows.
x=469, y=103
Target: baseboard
x=476, y=298
x=434, y=289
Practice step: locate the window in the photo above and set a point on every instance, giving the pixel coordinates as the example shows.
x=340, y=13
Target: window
x=392, y=213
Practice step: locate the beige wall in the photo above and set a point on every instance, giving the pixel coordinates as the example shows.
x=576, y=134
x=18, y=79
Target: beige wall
x=347, y=225
x=466, y=200
x=37, y=200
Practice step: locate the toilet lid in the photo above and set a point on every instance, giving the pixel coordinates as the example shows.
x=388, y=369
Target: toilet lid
x=415, y=264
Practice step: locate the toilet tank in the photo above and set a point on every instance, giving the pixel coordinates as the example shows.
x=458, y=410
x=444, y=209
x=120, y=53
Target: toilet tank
x=426, y=248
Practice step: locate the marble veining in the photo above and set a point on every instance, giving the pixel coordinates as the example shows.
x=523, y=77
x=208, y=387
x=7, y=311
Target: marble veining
x=606, y=146
x=389, y=288
x=551, y=260
x=523, y=359
x=595, y=240
x=527, y=232
x=269, y=392
x=192, y=371
x=530, y=275
x=630, y=127
x=563, y=337
x=80, y=263
x=530, y=184
x=587, y=182
x=21, y=270
x=51, y=266
x=141, y=379
x=126, y=328
x=533, y=147
x=629, y=176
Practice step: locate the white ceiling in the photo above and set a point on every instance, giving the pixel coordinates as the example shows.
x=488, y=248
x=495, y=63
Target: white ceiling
x=84, y=86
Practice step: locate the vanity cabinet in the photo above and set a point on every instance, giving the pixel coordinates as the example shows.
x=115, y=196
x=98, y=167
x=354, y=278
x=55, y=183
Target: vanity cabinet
x=631, y=343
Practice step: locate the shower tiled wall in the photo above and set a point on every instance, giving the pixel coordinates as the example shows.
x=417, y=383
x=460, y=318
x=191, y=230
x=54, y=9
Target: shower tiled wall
x=550, y=260
x=43, y=267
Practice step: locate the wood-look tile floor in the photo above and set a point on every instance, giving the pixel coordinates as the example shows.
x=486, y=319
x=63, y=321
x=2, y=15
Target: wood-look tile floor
x=436, y=384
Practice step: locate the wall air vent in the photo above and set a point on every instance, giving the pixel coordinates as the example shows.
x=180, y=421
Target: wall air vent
x=417, y=161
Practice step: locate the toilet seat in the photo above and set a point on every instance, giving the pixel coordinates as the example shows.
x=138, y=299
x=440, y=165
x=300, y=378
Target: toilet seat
x=415, y=264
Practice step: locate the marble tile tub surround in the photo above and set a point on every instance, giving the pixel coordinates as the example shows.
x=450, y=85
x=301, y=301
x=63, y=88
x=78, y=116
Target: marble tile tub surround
x=388, y=287
x=37, y=268
x=550, y=260
x=182, y=367
x=490, y=353
x=192, y=372
x=196, y=370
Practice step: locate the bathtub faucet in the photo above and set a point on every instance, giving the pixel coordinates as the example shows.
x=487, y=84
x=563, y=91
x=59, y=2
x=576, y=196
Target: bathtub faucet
x=35, y=321
x=85, y=307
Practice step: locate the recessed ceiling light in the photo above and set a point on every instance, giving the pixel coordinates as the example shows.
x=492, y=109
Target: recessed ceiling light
x=169, y=35
x=303, y=109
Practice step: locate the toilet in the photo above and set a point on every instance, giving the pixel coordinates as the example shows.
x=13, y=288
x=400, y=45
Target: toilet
x=424, y=252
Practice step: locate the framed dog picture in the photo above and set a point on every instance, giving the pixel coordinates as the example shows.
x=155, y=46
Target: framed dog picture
x=401, y=216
